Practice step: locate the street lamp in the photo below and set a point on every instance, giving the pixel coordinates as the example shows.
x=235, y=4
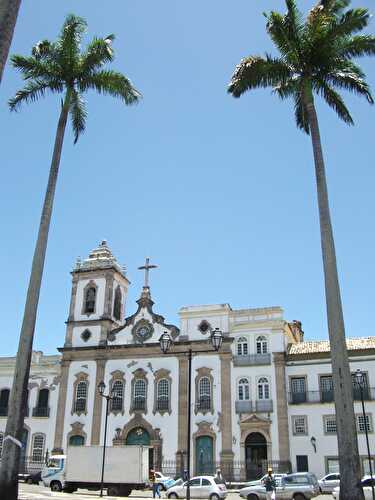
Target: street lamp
x=108, y=398
x=165, y=341
x=361, y=382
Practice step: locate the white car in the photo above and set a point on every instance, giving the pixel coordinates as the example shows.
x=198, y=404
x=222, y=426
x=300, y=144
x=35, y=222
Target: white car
x=329, y=482
x=367, y=490
x=200, y=487
x=164, y=481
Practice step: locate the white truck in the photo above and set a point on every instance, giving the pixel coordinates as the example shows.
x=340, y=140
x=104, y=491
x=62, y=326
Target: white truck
x=126, y=468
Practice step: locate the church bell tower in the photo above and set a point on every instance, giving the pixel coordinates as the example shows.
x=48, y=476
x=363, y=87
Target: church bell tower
x=97, y=305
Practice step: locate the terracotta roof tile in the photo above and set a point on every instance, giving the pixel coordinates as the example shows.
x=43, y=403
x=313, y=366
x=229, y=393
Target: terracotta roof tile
x=316, y=346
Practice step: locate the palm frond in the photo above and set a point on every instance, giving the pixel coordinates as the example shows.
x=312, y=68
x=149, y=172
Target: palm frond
x=285, y=33
x=334, y=100
x=42, y=49
x=289, y=88
x=111, y=83
x=32, y=67
x=334, y=6
x=254, y=72
x=349, y=23
x=69, y=42
x=78, y=114
x=32, y=91
x=358, y=46
x=350, y=81
x=98, y=52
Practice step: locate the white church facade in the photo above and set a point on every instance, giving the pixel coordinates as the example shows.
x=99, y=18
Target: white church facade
x=266, y=397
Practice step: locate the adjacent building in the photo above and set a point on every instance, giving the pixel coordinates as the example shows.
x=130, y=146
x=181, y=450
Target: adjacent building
x=265, y=397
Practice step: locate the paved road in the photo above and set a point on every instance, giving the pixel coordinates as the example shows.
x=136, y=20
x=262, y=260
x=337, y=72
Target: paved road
x=34, y=492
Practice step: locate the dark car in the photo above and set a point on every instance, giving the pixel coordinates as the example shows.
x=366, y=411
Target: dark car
x=32, y=478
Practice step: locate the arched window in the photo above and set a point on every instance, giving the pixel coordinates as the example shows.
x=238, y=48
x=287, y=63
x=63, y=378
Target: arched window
x=42, y=409
x=242, y=347
x=37, y=448
x=243, y=389
x=204, y=393
x=4, y=400
x=139, y=395
x=118, y=395
x=81, y=397
x=263, y=388
x=261, y=345
x=1, y=443
x=76, y=441
x=163, y=394
x=117, y=304
x=90, y=298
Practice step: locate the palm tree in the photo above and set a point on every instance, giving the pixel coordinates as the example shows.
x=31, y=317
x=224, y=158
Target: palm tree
x=315, y=57
x=8, y=18
x=57, y=67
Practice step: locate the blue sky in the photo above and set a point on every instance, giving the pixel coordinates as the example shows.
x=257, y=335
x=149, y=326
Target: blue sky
x=219, y=192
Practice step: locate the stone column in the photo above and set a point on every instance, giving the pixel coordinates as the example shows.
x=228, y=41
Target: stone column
x=98, y=403
x=183, y=374
x=61, y=406
x=282, y=406
x=226, y=455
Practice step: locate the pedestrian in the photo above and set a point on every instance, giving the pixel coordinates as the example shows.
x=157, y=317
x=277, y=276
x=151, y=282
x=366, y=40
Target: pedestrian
x=270, y=485
x=219, y=477
x=155, y=485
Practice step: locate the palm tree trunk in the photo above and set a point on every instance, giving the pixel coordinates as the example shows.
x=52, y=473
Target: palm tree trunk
x=17, y=402
x=8, y=18
x=350, y=470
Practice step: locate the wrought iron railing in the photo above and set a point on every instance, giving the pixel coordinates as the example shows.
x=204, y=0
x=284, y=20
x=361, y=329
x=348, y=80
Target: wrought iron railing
x=139, y=404
x=41, y=411
x=3, y=411
x=162, y=404
x=203, y=404
x=327, y=396
x=252, y=359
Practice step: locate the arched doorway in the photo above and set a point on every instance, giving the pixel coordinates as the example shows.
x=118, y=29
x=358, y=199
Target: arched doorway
x=255, y=455
x=204, y=455
x=140, y=436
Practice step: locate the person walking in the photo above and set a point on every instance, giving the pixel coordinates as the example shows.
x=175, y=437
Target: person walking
x=270, y=485
x=155, y=485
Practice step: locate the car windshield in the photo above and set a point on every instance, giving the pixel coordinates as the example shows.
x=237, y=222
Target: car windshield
x=53, y=462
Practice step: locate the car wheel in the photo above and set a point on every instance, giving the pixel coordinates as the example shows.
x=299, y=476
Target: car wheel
x=299, y=496
x=29, y=480
x=172, y=495
x=252, y=496
x=113, y=491
x=214, y=496
x=56, y=486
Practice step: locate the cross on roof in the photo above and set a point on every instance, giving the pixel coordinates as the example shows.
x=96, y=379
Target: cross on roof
x=147, y=268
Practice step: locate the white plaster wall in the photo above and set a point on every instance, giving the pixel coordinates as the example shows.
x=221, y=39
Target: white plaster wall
x=168, y=424
x=76, y=367
x=77, y=341
x=100, y=292
x=326, y=444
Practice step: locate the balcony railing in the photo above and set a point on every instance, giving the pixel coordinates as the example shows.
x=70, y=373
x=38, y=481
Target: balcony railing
x=3, y=411
x=203, y=404
x=41, y=411
x=252, y=359
x=162, y=404
x=244, y=406
x=264, y=406
x=139, y=404
x=327, y=396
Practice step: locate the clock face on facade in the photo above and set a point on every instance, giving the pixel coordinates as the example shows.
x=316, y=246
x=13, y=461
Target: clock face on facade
x=142, y=330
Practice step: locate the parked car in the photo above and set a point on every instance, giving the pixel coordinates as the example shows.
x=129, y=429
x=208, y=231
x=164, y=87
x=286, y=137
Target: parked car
x=297, y=486
x=200, y=487
x=367, y=490
x=260, y=481
x=164, y=481
x=32, y=478
x=329, y=482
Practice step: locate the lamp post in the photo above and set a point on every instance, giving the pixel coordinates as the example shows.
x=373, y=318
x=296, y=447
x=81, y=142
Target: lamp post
x=108, y=398
x=360, y=380
x=165, y=344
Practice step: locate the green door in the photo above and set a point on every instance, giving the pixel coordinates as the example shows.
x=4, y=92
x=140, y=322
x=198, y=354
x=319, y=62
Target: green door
x=204, y=455
x=138, y=436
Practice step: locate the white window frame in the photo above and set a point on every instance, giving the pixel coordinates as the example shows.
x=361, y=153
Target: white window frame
x=263, y=389
x=80, y=396
x=328, y=418
x=37, y=452
x=360, y=423
x=261, y=345
x=242, y=346
x=138, y=393
x=118, y=395
x=243, y=389
x=299, y=425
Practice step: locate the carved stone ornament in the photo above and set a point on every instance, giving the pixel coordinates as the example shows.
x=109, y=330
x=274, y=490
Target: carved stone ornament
x=142, y=331
x=204, y=327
